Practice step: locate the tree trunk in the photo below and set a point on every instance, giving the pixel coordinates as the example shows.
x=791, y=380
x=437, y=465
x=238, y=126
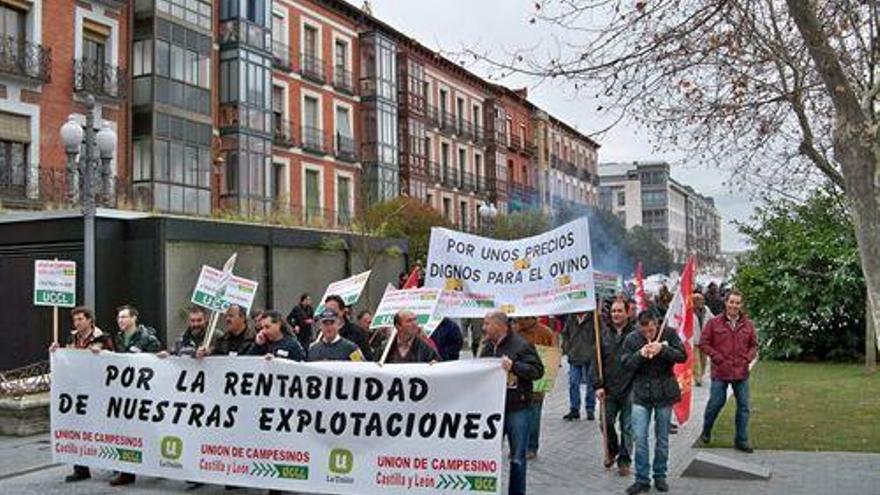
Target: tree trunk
x=856, y=148
x=871, y=343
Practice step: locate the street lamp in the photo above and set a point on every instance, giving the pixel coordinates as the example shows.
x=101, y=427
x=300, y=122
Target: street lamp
x=488, y=212
x=74, y=136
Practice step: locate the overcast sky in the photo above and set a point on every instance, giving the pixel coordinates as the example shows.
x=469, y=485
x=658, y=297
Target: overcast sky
x=500, y=26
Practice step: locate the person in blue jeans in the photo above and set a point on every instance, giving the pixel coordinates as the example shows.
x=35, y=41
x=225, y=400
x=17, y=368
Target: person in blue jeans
x=579, y=346
x=655, y=390
x=730, y=341
x=523, y=366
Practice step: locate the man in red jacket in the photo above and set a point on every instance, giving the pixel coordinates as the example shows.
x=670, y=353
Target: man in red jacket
x=730, y=342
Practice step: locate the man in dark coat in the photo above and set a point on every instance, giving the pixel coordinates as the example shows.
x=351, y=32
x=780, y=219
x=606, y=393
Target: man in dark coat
x=655, y=390
x=239, y=336
x=615, y=387
x=275, y=340
x=301, y=319
x=408, y=346
x=349, y=330
x=523, y=366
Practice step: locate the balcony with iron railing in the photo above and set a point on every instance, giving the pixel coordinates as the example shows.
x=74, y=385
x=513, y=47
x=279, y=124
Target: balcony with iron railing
x=312, y=68
x=448, y=122
x=20, y=58
x=282, y=133
x=313, y=139
x=432, y=115
x=281, y=56
x=515, y=142
x=343, y=80
x=497, y=138
x=345, y=148
x=100, y=79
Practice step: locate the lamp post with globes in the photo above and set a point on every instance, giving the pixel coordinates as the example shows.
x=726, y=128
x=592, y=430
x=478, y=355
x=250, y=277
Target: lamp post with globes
x=488, y=212
x=74, y=137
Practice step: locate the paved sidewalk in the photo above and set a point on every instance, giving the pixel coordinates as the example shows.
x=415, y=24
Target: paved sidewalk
x=569, y=462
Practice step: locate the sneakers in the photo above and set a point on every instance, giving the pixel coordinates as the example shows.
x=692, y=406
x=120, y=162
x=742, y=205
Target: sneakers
x=122, y=479
x=661, y=485
x=531, y=456
x=608, y=462
x=572, y=416
x=591, y=416
x=638, y=488
x=624, y=470
x=744, y=448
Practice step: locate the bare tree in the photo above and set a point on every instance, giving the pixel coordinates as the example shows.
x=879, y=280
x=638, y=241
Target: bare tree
x=785, y=91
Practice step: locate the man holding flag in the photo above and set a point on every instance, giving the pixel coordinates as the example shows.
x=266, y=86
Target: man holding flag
x=731, y=344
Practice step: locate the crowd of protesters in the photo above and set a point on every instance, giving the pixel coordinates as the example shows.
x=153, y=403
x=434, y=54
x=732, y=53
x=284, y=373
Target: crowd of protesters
x=624, y=366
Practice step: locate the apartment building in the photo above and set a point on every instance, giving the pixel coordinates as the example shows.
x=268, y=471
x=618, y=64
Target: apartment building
x=643, y=193
x=512, y=148
x=567, y=164
x=52, y=55
x=303, y=111
x=315, y=164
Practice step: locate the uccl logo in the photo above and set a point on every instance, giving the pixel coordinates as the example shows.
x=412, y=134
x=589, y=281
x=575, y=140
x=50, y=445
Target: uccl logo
x=171, y=448
x=341, y=461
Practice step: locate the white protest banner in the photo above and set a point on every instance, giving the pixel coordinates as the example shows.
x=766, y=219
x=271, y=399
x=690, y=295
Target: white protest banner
x=349, y=289
x=333, y=427
x=216, y=290
x=55, y=283
x=550, y=273
x=422, y=302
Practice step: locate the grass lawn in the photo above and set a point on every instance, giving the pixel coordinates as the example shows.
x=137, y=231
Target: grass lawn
x=809, y=407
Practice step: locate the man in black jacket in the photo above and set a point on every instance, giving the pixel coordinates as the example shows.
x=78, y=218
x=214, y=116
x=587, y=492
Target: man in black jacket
x=614, y=388
x=301, y=319
x=409, y=345
x=276, y=340
x=349, y=330
x=239, y=337
x=655, y=390
x=523, y=366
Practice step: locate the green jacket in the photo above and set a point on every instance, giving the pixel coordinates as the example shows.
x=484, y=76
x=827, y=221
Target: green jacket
x=142, y=340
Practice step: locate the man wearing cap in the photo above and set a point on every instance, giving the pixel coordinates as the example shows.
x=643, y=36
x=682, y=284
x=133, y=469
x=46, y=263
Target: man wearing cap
x=332, y=346
x=407, y=346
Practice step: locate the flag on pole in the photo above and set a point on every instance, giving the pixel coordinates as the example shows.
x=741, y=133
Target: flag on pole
x=641, y=300
x=681, y=316
x=412, y=281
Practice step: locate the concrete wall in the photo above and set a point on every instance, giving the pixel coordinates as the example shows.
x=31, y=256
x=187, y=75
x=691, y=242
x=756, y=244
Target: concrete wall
x=183, y=262
x=385, y=271
x=295, y=270
x=304, y=270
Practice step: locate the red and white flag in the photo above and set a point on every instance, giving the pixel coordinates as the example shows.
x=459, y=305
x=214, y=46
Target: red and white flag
x=681, y=316
x=412, y=281
x=641, y=300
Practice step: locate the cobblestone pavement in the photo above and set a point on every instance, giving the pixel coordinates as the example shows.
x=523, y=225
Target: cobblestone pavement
x=569, y=462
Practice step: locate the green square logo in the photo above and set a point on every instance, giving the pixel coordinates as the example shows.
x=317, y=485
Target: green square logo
x=341, y=461
x=171, y=448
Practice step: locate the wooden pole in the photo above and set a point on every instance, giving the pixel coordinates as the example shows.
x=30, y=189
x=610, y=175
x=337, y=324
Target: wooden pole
x=602, y=417
x=55, y=324
x=388, y=346
x=206, y=344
